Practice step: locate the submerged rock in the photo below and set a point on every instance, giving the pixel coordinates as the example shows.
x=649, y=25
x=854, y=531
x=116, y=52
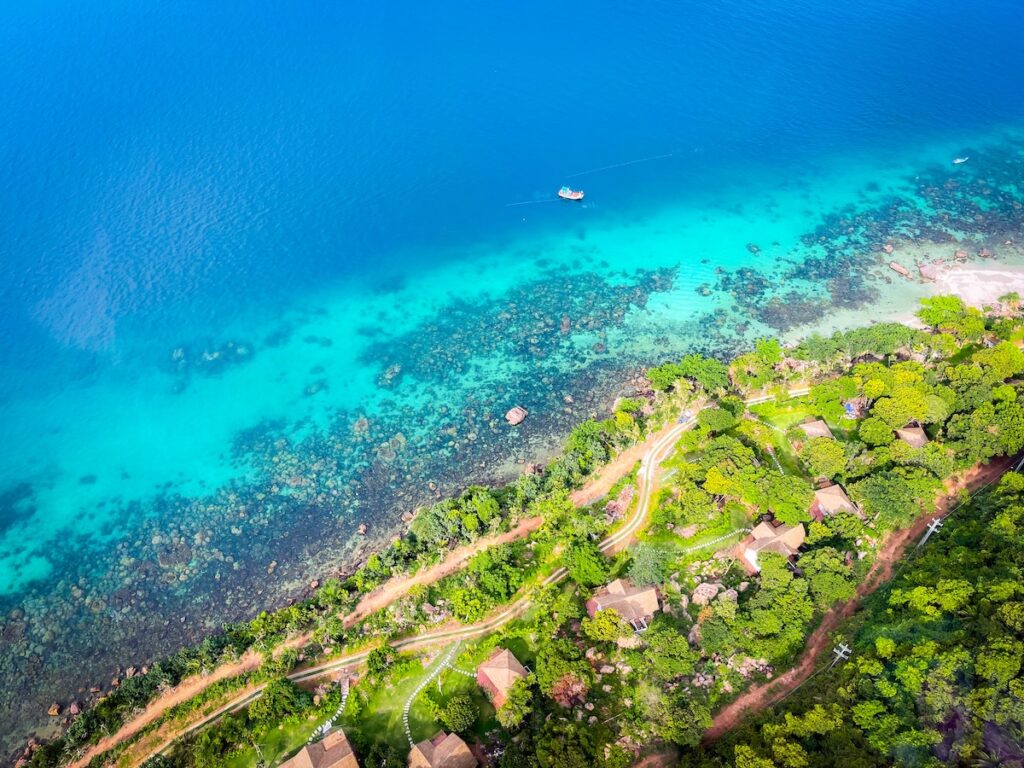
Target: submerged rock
x=516, y=415
x=899, y=269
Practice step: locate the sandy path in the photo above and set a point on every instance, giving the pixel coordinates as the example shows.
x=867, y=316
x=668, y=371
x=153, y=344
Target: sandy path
x=661, y=445
x=397, y=587
x=760, y=697
x=616, y=469
x=185, y=690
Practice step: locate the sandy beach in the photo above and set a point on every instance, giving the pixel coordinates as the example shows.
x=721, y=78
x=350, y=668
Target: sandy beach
x=979, y=282
x=980, y=285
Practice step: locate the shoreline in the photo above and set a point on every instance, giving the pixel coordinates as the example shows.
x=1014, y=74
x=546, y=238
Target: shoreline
x=978, y=281
x=594, y=488
x=975, y=282
x=574, y=338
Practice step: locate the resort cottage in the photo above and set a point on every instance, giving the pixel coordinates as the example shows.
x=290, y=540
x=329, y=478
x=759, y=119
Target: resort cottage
x=816, y=428
x=769, y=537
x=333, y=751
x=499, y=673
x=811, y=429
x=913, y=435
x=637, y=605
x=446, y=750
x=831, y=500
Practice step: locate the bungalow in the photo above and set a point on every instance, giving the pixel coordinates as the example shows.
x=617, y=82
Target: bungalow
x=445, y=750
x=499, y=673
x=913, y=435
x=831, y=500
x=634, y=604
x=769, y=537
x=816, y=428
x=333, y=751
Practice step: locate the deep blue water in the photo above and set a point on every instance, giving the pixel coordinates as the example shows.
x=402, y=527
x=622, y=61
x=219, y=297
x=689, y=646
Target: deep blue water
x=228, y=152
x=181, y=174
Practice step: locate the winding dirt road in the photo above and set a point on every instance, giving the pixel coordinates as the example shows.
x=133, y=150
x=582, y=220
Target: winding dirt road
x=650, y=453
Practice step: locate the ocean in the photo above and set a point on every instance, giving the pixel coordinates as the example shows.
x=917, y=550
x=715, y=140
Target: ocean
x=272, y=270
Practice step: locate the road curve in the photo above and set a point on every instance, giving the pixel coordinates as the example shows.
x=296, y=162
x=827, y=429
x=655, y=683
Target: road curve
x=609, y=545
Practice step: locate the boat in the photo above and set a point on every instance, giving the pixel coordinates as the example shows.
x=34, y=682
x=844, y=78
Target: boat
x=570, y=194
x=960, y=160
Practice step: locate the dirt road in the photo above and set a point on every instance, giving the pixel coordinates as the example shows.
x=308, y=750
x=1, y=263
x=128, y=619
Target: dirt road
x=760, y=697
x=650, y=453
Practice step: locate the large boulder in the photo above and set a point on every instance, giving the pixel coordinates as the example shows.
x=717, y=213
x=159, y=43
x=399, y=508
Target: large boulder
x=516, y=415
x=705, y=593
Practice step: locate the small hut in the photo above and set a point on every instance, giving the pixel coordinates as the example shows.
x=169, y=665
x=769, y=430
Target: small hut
x=913, y=435
x=831, y=500
x=637, y=605
x=816, y=428
x=333, y=751
x=769, y=537
x=445, y=750
x=498, y=674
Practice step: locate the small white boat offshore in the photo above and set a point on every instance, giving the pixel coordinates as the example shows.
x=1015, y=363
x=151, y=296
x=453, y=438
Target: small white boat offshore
x=960, y=160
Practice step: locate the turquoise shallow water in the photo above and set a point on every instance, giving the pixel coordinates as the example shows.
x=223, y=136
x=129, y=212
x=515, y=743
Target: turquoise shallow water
x=260, y=287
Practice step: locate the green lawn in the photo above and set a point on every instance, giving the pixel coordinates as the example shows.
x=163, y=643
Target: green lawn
x=787, y=414
x=279, y=744
x=452, y=684
x=380, y=719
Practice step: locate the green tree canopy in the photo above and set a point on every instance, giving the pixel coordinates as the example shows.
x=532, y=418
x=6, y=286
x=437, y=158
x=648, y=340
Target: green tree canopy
x=951, y=315
x=606, y=626
x=585, y=563
x=650, y=563
x=518, y=704
x=281, y=698
x=458, y=714
x=824, y=457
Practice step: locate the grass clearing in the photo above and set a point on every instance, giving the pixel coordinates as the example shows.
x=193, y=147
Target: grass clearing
x=277, y=745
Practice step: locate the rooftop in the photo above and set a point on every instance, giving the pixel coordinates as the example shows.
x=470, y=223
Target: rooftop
x=445, y=750
x=830, y=501
x=333, y=751
x=632, y=603
x=499, y=673
x=768, y=537
x=817, y=428
x=913, y=435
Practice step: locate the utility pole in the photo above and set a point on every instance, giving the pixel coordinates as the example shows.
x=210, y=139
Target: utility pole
x=933, y=526
x=842, y=652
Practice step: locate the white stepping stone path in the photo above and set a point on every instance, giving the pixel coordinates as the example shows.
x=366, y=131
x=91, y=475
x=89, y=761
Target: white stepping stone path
x=324, y=729
x=719, y=540
x=445, y=663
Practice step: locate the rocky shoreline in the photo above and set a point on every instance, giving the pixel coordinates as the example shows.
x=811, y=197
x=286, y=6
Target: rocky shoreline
x=191, y=563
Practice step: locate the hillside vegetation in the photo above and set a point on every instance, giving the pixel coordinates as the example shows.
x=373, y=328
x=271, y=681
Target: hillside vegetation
x=770, y=429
